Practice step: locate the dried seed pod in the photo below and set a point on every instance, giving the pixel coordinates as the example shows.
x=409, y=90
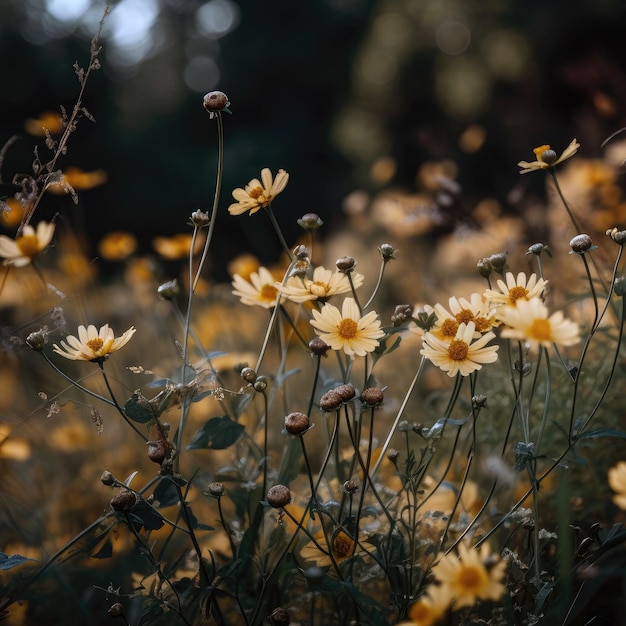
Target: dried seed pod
x=278, y=496
x=297, y=423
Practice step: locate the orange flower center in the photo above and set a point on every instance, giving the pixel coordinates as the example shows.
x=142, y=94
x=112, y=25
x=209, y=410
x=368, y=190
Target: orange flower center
x=95, y=344
x=421, y=612
x=458, y=350
x=268, y=293
x=482, y=324
x=347, y=328
x=256, y=193
x=471, y=578
x=464, y=316
x=541, y=330
x=28, y=245
x=318, y=288
x=449, y=328
x=342, y=546
x=515, y=293
x=540, y=150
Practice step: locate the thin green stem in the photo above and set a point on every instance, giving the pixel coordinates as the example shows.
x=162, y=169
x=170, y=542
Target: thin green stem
x=278, y=231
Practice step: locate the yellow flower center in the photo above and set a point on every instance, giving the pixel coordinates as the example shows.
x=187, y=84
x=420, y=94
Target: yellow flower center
x=256, y=193
x=342, y=546
x=421, y=612
x=268, y=293
x=95, y=344
x=541, y=330
x=318, y=288
x=516, y=293
x=449, y=328
x=482, y=324
x=347, y=328
x=471, y=578
x=28, y=245
x=458, y=350
x=464, y=316
x=540, y=150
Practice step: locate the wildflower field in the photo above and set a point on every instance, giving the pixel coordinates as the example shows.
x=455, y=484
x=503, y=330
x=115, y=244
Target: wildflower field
x=383, y=426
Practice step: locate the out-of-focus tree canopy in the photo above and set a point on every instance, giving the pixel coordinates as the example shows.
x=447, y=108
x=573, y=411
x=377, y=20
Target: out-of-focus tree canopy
x=343, y=94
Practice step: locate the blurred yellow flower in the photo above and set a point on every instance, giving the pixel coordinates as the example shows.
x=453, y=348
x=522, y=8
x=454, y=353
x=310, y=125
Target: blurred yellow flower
x=476, y=575
x=78, y=180
x=258, y=193
x=27, y=245
x=117, y=245
x=342, y=547
x=617, y=482
x=516, y=288
x=13, y=218
x=429, y=608
x=243, y=264
x=462, y=354
x=50, y=120
x=260, y=291
x=546, y=157
x=346, y=330
x=91, y=344
x=529, y=321
x=325, y=283
x=177, y=246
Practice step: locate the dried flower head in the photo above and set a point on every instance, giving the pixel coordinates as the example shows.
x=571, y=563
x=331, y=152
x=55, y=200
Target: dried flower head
x=258, y=194
x=297, y=423
x=215, y=101
x=278, y=496
x=216, y=489
x=330, y=401
x=92, y=344
x=372, y=396
x=27, y=244
x=318, y=346
x=546, y=157
x=581, y=243
x=123, y=501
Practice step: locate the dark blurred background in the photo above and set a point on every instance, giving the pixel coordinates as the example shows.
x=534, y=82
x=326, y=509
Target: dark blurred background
x=343, y=94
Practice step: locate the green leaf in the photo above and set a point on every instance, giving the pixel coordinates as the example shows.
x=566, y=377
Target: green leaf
x=217, y=434
x=105, y=551
x=143, y=514
x=166, y=493
x=602, y=432
x=139, y=409
x=8, y=562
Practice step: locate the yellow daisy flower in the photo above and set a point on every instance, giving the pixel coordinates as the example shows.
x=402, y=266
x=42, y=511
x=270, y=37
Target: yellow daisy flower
x=516, y=288
x=546, y=158
x=325, y=283
x=260, y=291
x=529, y=321
x=117, y=245
x=463, y=354
x=92, y=344
x=258, y=193
x=429, y=608
x=463, y=311
x=617, y=482
x=27, y=245
x=346, y=330
x=342, y=547
x=477, y=575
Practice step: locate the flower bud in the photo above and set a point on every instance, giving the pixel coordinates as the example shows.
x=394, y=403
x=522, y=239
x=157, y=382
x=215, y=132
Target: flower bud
x=248, y=375
x=260, y=384
x=345, y=264
x=484, y=267
x=580, y=244
x=310, y=221
x=297, y=423
x=538, y=249
x=216, y=490
x=116, y=610
x=37, y=340
x=318, y=346
x=372, y=396
x=387, y=251
x=123, y=501
x=168, y=290
x=346, y=392
x=402, y=313
x=107, y=478
x=314, y=575
x=280, y=617
x=392, y=455
x=159, y=450
x=618, y=236
x=498, y=261
x=278, y=496
x=330, y=401
x=200, y=219
x=301, y=252
x=548, y=156
x=479, y=402
x=350, y=486
x=215, y=101
x=619, y=286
